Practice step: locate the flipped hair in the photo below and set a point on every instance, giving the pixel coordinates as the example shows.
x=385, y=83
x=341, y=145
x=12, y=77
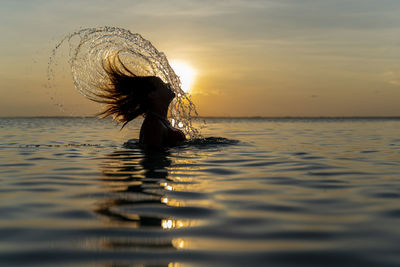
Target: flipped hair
x=126, y=95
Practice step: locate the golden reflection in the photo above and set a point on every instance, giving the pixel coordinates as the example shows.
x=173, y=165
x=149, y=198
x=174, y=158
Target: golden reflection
x=137, y=243
x=133, y=178
x=166, y=224
x=175, y=224
x=167, y=186
x=175, y=264
x=256, y=245
x=164, y=200
x=178, y=243
x=138, y=184
x=173, y=202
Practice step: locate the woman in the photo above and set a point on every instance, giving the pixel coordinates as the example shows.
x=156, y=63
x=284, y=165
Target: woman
x=128, y=96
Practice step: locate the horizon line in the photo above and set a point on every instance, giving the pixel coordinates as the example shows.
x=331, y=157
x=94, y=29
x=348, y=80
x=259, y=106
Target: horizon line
x=230, y=117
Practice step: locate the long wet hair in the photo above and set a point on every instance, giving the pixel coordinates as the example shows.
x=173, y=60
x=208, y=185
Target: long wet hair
x=126, y=95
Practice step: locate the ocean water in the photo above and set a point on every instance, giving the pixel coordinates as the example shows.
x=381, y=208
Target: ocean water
x=262, y=192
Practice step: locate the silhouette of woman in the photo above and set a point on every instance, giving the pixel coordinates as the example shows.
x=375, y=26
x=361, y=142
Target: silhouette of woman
x=128, y=96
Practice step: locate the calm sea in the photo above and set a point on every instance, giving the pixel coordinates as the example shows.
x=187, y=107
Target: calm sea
x=262, y=192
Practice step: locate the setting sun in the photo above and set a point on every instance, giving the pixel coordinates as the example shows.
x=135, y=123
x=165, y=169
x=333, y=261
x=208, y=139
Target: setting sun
x=186, y=74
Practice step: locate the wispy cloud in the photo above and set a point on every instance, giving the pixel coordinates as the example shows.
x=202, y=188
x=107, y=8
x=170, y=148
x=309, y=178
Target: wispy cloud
x=193, y=8
x=392, y=77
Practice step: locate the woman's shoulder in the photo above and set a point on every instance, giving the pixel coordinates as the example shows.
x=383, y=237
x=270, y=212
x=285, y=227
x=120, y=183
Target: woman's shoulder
x=175, y=135
x=153, y=127
x=153, y=133
x=153, y=123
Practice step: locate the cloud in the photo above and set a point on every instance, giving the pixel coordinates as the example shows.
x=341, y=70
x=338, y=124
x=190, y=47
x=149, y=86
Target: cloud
x=192, y=8
x=392, y=77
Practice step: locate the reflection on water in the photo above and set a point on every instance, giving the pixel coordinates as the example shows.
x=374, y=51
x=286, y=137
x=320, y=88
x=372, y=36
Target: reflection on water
x=289, y=193
x=137, y=178
x=138, y=182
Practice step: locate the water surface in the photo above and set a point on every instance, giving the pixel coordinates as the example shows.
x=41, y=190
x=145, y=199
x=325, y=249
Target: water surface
x=274, y=192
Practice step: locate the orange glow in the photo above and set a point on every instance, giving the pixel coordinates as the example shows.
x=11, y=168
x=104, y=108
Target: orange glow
x=186, y=74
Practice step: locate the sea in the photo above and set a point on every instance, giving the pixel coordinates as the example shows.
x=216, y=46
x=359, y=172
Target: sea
x=249, y=192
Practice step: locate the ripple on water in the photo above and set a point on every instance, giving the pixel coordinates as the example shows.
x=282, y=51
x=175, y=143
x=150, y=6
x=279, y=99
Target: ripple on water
x=226, y=161
x=265, y=163
x=184, y=212
x=276, y=208
x=16, y=164
x=282, y=180
x=187, y=195
x=392, y=213
x=327, y=184
x=331, y=173
x=311, y=167
x=72, y=169
x=220, y=171
x=231, y=205
x=245, y=191
x=72, y=214
x=369, y=151
x=385, y=195
x=40, y=158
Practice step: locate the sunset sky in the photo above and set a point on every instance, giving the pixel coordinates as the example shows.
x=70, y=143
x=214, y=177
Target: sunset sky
x=251, y=58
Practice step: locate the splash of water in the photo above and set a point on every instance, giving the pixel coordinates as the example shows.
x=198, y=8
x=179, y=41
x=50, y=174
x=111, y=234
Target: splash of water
x=201, y=143
x=89, y=47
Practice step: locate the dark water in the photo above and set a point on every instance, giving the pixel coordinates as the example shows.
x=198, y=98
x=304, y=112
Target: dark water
x=287, y=193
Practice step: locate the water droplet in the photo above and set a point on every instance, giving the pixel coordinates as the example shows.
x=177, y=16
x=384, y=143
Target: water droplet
x=90, y=47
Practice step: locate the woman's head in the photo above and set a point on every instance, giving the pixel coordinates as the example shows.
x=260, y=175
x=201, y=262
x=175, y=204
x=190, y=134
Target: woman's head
x=128, y=96
x=162, y=93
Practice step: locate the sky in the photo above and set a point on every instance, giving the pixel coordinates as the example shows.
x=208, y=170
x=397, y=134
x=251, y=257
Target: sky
x=251, y=58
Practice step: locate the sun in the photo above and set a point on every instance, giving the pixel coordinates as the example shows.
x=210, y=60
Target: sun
x=186, y=74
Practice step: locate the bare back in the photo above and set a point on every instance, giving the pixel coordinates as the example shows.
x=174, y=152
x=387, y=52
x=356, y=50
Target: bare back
x=156, y=133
